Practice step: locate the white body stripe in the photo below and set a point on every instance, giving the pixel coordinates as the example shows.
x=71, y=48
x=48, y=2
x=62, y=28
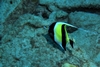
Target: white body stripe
x=60, y=43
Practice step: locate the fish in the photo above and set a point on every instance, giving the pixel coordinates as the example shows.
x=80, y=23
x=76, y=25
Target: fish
x=58, y=31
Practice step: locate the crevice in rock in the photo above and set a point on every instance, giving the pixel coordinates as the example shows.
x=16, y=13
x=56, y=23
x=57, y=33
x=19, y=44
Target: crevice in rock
x=11, y=2
x=32, y=25
x=42, y=10
x=0, y=37
x=89, y=9
x=46, y=6
x=45, y=15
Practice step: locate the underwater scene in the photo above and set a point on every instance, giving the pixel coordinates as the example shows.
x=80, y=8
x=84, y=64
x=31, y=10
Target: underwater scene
x=49, y=33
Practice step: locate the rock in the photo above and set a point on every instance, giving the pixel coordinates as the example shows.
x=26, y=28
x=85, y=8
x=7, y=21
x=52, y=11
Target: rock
x=1, y=65
x=59, y=15
x=89, y=64
x=70, y=3
x=68, y=65
x=24, y=27
x=6, y=8
x=96, y=59
x=84, y=20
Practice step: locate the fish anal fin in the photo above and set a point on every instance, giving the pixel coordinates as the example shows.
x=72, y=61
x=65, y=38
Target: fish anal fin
x=71, y=42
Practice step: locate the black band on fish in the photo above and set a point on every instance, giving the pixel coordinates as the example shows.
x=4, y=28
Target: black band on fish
x=71, y=43
x=51, y=30
x=63, y=37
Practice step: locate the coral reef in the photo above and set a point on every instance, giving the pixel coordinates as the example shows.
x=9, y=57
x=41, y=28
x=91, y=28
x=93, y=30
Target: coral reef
x=24, y=27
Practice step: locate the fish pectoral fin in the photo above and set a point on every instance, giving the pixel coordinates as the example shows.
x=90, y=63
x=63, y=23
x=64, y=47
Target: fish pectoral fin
x=71, y=42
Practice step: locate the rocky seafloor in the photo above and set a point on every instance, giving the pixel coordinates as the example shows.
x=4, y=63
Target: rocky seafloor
x=24, y=27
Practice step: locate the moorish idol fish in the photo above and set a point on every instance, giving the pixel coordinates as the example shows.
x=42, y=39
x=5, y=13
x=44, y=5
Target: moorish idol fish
x=58, y=31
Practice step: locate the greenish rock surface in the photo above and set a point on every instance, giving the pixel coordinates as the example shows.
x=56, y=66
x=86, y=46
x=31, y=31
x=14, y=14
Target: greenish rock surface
x=24, y=26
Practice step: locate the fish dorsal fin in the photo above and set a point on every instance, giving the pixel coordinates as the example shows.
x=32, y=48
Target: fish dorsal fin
x=71, y=28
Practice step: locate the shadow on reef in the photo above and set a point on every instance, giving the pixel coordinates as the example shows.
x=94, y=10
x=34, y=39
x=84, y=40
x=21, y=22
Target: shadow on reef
x=88, y=9
x=55, y=45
